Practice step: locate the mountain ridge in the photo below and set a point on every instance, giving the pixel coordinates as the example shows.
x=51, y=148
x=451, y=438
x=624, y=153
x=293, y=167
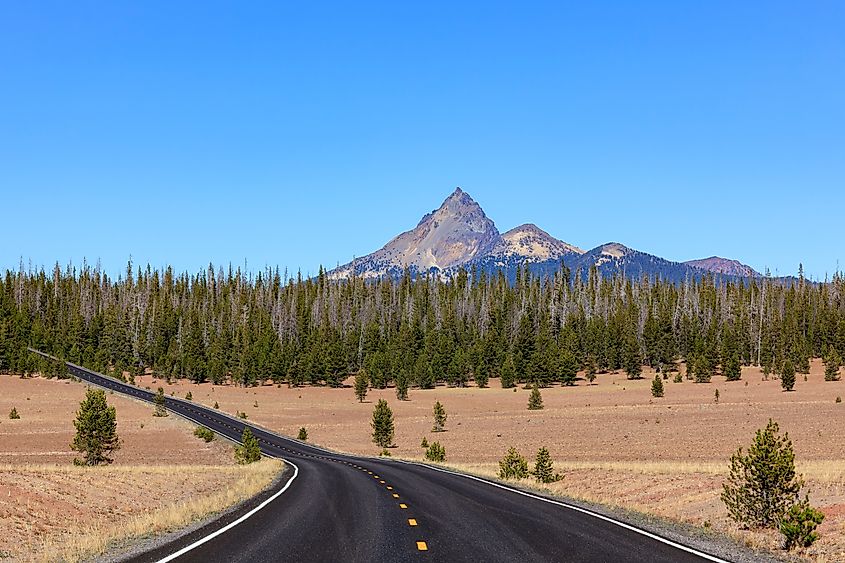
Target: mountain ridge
x=459, y=234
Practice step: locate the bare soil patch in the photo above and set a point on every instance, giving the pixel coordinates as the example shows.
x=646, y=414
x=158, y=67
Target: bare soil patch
x=163, y=477
x=617, y=444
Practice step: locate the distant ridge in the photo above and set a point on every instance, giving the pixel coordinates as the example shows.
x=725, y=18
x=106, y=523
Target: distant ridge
x=725, y=266
x=459, y=234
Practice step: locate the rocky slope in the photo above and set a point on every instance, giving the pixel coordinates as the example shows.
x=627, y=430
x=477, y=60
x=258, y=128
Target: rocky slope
x=724, y=266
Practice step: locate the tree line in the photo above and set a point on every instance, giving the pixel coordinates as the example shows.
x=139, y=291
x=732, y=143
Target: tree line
x=225, y=325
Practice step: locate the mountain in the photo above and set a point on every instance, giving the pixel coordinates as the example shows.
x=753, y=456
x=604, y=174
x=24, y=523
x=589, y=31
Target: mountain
x=530, y=243
x=724, y=266
x=459, y=234
x=614, y=258
x=450, y=236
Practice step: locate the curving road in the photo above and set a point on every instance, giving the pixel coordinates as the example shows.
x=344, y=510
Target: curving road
x=332, y=507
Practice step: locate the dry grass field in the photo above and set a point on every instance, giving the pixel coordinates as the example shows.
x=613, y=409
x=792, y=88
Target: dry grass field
x=163, y=477
x=615, y=443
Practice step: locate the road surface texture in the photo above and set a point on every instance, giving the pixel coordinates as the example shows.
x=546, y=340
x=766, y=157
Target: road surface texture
x=333, y=507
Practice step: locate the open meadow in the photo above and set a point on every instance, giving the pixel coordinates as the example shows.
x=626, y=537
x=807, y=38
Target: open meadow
x=163, y=477
x=615, y=444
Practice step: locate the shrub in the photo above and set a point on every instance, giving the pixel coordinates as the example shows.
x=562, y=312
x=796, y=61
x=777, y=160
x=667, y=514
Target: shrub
x=189, y=396
x=384, y=453
x=242, y=415
x=159, y=402
x=96, y=430
x=249, y=451
x=535, y=400
x=435, y=452
x=543, y=469
x=799, y=525
x=424, y=443
x=657, y=386
x=303, y=434
x=382, y=424
x=716, y=397
x=762, y=484
x=439, y=417
x=678, y=378
x=13, y=414
x=513, y=466
x=204, y=433
x=216, y=406
x=838, y=399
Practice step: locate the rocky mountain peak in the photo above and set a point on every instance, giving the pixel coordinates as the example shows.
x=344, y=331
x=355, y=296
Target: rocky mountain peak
x=726, y=266
x=533, y=244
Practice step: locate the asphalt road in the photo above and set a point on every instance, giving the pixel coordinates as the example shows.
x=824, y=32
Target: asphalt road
x=355, y=509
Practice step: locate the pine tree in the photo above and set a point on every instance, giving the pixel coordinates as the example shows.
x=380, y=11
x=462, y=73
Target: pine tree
x=732, y=368
x=590, y=369
x=787, y=375
x=424, y=443
x=382, y=425
x=13, y=414
x=439, y=418
x=249, y=451
x=568, y=367
x=762, y=484
x=657, y=386
x=508, y=376
x=543, y=468
x=831, y=366
x=96, y=430
x=481, y=375
x=402, y=385
x=632, y=358
x=535, y=400
x=159, y=402
x=303, y=434
x=513, y=466
x=361, y=385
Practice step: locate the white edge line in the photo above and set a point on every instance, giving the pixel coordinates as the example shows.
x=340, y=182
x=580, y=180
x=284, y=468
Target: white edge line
x=619, y=523
x=231, y=525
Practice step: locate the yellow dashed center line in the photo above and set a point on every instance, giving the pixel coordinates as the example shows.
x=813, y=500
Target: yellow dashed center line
x=422, y=546
x=395, y=495
x=412, y=522
x=382, y=481
x=403, y=505
x=389, y=488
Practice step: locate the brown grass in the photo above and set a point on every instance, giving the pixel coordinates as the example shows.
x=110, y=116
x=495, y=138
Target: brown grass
x=94, y=540
x=616, y=444
x=163, y=476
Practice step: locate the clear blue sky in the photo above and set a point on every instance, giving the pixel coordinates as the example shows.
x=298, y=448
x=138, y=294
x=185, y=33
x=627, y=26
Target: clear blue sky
x=301, y=135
